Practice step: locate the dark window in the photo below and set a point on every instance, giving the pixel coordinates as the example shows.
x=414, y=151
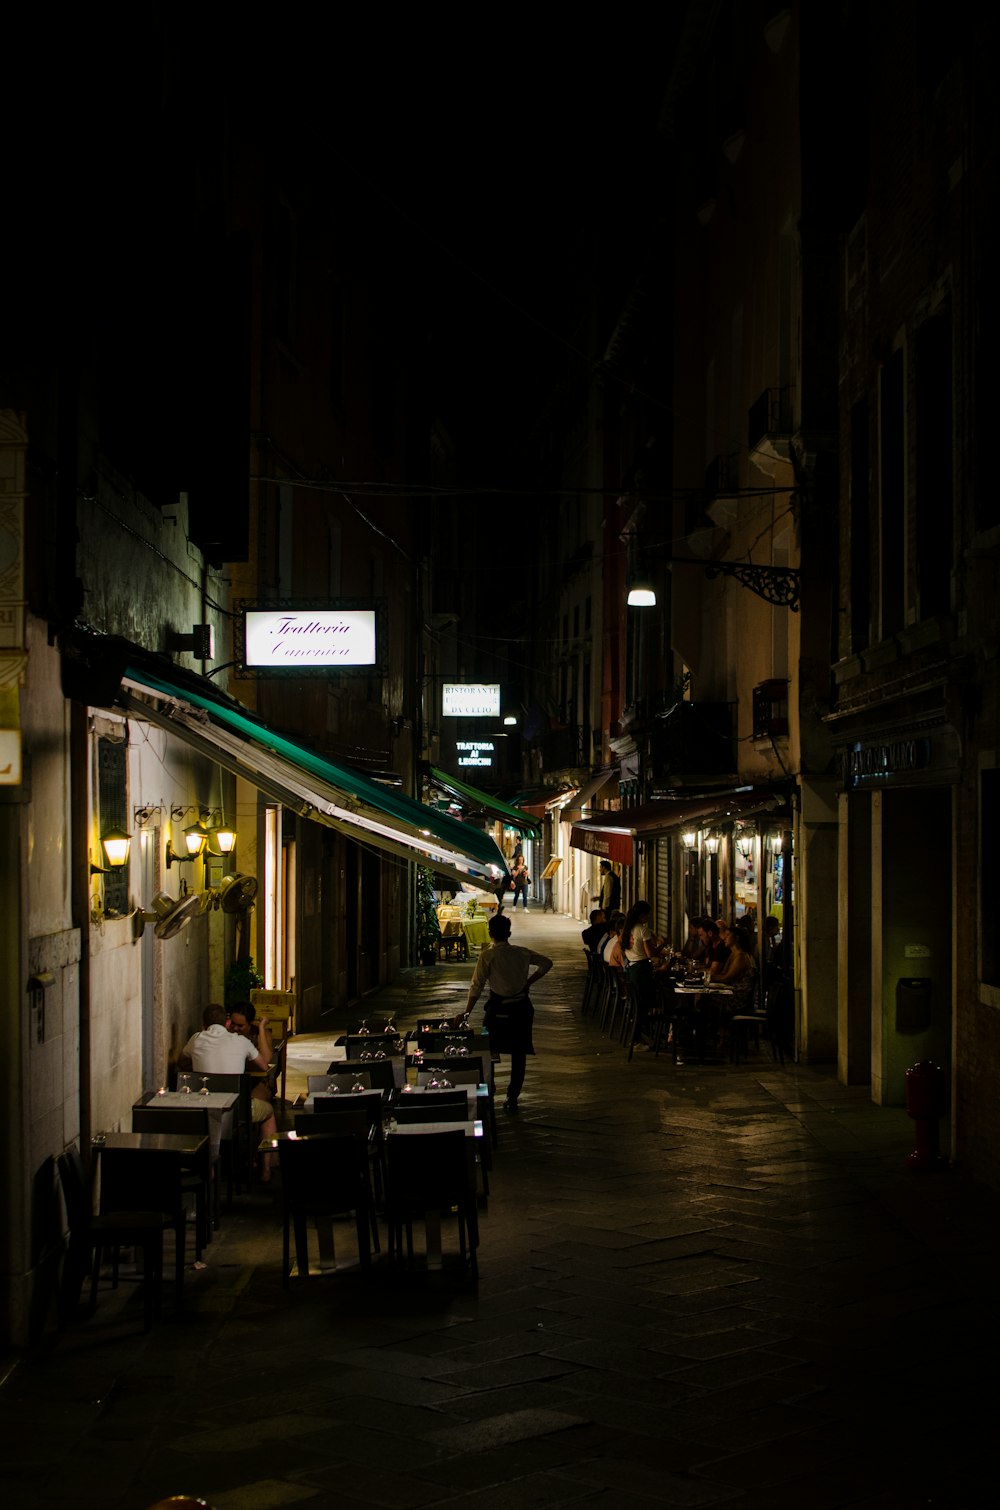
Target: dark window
x=934, y=436
x=891, y=540
x=989, y=877
x=861, y=528
x=112, y=802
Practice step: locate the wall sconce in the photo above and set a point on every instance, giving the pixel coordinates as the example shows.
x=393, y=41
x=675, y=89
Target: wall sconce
x=744, y=842
x=222, y=834
x=195, y=839
x=712, y=844
x=776, y=844
x=689, y=839
x=115, y=843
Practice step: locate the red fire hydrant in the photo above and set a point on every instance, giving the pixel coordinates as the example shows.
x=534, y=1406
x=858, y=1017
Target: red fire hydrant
x=925, y=1099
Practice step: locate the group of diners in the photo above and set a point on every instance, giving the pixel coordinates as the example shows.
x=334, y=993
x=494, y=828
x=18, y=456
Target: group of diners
x=717, y=952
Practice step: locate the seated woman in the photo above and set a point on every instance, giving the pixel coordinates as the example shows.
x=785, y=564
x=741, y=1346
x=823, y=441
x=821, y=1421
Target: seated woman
x=611, y=952
x=739, y=970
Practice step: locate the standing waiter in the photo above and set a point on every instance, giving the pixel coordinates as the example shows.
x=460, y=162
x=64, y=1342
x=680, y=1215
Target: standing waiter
x=509, y=971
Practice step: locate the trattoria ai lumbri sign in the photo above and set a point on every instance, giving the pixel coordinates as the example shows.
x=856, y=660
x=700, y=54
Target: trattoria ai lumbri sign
x=309, y=638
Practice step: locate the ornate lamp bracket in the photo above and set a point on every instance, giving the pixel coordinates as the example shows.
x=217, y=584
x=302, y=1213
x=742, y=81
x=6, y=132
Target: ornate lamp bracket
x=775, y=584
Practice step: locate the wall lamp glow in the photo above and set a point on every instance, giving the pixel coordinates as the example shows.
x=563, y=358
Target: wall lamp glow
x=712, y=844
x=115, y=843
x=641, y=595
x=689, y=839
x=195, y=838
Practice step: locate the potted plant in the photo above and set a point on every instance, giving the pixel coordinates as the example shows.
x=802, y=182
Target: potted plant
x=242, y=977
x=428, y=931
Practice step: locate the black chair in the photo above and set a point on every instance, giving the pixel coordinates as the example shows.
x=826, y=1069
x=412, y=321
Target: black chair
x=432, y=1173
x=239, y=1143
x=443, y=1106
x=323, y=1177
x=385, y=1045
x=592, y=984
x=334, y=1083
x=141, y=1197
x=457, y=1066
x=79, y=1211
x=436, y=1040
x=379, y=1071
x=195, y=1181
x=339, y=1125
x=371, y=1109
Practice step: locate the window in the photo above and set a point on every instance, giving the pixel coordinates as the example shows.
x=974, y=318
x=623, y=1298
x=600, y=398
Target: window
x=934, y=438
x=112, y=812
x=892, y=541
x=860, y=522
x=989, y=879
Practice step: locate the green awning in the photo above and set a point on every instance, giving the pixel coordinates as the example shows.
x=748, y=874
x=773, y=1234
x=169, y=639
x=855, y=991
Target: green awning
x=311, y=784
x=513, y=816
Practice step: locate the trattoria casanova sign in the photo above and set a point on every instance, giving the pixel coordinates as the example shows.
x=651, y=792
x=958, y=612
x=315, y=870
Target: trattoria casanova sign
x=310, y=637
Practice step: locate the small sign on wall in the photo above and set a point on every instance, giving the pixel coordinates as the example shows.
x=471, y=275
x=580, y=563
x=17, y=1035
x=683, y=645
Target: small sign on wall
x=10, y=757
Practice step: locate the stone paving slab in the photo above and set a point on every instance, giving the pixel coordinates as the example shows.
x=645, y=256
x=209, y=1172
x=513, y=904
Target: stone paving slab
x=699, y=1285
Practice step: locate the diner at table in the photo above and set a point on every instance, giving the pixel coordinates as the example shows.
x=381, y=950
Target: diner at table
x=216, y=1050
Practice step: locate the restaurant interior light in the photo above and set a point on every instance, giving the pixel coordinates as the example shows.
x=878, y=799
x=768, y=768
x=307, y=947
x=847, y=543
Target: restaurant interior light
x=115, y=843
x=510, y=719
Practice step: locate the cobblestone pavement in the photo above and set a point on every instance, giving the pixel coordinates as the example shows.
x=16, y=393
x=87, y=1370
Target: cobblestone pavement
x=699, y=1285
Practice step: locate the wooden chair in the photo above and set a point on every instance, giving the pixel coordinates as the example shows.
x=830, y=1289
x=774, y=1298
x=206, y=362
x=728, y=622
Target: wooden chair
x=279, y=1009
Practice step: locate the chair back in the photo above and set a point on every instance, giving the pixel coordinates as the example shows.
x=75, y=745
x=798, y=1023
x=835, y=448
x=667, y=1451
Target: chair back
x=324, y=1173
x=140, y=1180
x=482, y=1064
x=379, y=1071
x=368, y=1107
x=431, y=1109
x=159, y=1119
x=438, y=1098
x=375, y=1046
x=438, y=1039
x=458, y=1071
x=319, y=1084
x=430, y=1171
x=320, y=1124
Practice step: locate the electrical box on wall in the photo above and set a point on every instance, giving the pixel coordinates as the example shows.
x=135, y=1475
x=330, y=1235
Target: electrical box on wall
x=913, y=1004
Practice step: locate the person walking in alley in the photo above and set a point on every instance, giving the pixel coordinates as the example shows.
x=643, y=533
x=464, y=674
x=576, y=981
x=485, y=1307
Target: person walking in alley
x=522, y=880
x=509, y=972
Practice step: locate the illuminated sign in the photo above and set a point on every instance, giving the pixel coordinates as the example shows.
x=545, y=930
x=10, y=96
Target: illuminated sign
x=470, y=700
x=310, y=637
x=475, y=751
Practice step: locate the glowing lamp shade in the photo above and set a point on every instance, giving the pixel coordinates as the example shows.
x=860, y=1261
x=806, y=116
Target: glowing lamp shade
x=194, y=839
x=225, y=838
x=688, y=839
x=641, y=595
x=115, y=842
x=712, y=844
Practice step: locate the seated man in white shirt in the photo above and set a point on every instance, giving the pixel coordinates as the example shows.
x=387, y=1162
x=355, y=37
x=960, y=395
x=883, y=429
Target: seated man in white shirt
x=217, y=1051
